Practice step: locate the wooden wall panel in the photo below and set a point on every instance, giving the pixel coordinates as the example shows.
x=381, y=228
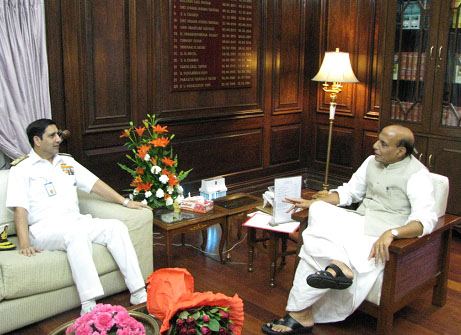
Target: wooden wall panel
x=284, y=144
x=288, y=41
x=107, y=61
x=341, y=148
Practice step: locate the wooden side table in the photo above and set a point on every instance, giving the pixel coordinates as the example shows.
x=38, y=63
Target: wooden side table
x=177, y=223
x=237, y=206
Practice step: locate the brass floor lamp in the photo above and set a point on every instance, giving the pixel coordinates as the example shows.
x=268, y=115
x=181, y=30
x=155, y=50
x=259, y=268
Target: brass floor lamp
x=335, y=69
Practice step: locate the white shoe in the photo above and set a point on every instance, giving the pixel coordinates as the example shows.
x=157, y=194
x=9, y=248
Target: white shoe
x=87, y=306
x=138, y=297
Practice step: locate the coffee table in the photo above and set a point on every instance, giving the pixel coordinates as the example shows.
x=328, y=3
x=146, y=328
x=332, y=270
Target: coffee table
x=171, y=223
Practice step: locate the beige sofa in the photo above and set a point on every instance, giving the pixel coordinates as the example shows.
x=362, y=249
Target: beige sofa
x=37, y=287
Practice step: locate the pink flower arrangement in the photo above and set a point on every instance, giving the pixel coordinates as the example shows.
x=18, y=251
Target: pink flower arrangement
x=106, y=320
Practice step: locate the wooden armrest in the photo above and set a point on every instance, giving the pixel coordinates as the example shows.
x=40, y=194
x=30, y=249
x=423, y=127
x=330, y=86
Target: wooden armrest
x=407, y=244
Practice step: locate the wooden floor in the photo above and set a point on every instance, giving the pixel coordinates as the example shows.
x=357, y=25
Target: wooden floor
x=263, y=303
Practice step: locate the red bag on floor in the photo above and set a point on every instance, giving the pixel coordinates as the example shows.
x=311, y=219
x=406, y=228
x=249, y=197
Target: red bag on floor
x=172, y=289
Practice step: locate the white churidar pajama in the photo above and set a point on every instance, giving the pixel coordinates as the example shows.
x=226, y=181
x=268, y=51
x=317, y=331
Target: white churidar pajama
x=48, y=192
x=333, y=233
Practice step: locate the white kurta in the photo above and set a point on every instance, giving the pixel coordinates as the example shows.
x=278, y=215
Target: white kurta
x=334, y=233
x=48, y=191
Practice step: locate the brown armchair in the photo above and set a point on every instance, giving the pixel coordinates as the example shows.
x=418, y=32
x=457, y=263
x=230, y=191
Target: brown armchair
x=415, y=265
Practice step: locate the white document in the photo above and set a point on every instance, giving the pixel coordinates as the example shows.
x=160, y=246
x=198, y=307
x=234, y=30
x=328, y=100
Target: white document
x=285, y=188
x=263, y=221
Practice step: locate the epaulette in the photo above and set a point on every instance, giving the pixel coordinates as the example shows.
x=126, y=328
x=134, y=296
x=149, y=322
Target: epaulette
x=64, y=154
x=19, y=160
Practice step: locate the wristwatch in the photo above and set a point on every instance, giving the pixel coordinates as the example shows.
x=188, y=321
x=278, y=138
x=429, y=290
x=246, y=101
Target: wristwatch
x=395, y=233
x=125, y=202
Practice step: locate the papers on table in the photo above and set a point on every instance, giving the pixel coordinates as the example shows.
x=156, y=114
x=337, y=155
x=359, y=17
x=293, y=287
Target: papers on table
x=262, y=221
x=285, y=188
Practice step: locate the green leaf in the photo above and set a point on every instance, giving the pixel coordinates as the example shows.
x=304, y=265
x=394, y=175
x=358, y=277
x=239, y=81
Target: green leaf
x=213, y=325
x=196, y=315
x=183, y=315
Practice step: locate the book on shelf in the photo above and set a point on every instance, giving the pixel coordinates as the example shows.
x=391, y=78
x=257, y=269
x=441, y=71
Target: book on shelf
x=412, y=16
x=451, y=116
x=456, y=9
x=457, y=75
x=406, y=66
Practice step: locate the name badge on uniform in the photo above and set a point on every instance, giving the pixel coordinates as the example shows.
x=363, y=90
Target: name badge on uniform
x=50, y=189
x=67, y=169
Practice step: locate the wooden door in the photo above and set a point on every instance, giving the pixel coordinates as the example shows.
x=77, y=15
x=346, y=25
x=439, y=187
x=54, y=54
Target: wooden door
x=443, y=158
x=446, y=108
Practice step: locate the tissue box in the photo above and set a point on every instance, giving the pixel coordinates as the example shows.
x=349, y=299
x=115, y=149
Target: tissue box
x=197, y=206
x=213, y=188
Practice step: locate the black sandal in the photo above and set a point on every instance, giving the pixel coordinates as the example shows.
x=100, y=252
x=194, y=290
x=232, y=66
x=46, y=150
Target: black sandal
x=325, y=279
x=287, y=321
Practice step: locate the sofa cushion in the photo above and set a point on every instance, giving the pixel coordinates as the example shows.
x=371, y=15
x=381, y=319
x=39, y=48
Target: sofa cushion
x=21, y=276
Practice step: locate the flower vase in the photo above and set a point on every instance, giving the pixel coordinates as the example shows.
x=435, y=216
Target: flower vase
x=149, y=323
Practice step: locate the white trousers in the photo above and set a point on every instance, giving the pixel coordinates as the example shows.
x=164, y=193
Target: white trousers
x=75, y=236
x=333, y=234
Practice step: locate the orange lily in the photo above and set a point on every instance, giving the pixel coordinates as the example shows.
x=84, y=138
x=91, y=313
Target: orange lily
x=136, y=181
x=167, y=196
x=142, y=150
x=140, y=130
x=160, y=142
x=140, y=170
x=126, y=133
x=153, y=161
x=159, y=129
x=167, y=161
x=146, y=186
x=172, y=180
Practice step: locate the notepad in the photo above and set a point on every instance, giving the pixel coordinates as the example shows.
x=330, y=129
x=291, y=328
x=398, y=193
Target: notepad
x=262, y=220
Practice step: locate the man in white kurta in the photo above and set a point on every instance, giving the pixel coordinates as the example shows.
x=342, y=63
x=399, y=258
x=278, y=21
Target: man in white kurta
x=42, y=191
x=397, y=202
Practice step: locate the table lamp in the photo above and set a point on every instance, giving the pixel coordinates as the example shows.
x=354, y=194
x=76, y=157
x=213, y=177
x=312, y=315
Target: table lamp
x=336, y=69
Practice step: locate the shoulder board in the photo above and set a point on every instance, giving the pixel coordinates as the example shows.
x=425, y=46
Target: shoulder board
x=19, y=160
x=64, y=154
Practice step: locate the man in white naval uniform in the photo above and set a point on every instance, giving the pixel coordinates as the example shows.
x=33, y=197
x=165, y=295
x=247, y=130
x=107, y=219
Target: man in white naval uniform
x=42, y=192
x=345, y=251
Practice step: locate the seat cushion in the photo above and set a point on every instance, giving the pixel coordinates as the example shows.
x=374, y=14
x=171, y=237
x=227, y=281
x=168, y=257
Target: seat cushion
x=21, y=276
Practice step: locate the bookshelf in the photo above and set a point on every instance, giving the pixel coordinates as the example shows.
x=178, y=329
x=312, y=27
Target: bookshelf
x=421, y=49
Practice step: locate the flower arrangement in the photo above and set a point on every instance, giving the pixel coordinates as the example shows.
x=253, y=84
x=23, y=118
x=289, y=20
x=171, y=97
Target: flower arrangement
x=106, y=320
x=171, y=298
x=155, y=179
x=205, y=320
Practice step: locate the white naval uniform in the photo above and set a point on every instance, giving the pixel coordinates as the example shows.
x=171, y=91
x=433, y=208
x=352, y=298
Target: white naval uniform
x=48, y=191
x=334, y=233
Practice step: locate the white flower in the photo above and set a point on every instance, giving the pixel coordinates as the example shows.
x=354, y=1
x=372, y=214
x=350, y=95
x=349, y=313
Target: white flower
x=155, y=169
x=159, y=193
x=135, y=192
x=148, y=194
x=179, y=189
x=144, y=202
x=146, y=157
x=180, y=198
x=169, y=189
x=163, y=179
x=131, y=197
x=169, y=201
